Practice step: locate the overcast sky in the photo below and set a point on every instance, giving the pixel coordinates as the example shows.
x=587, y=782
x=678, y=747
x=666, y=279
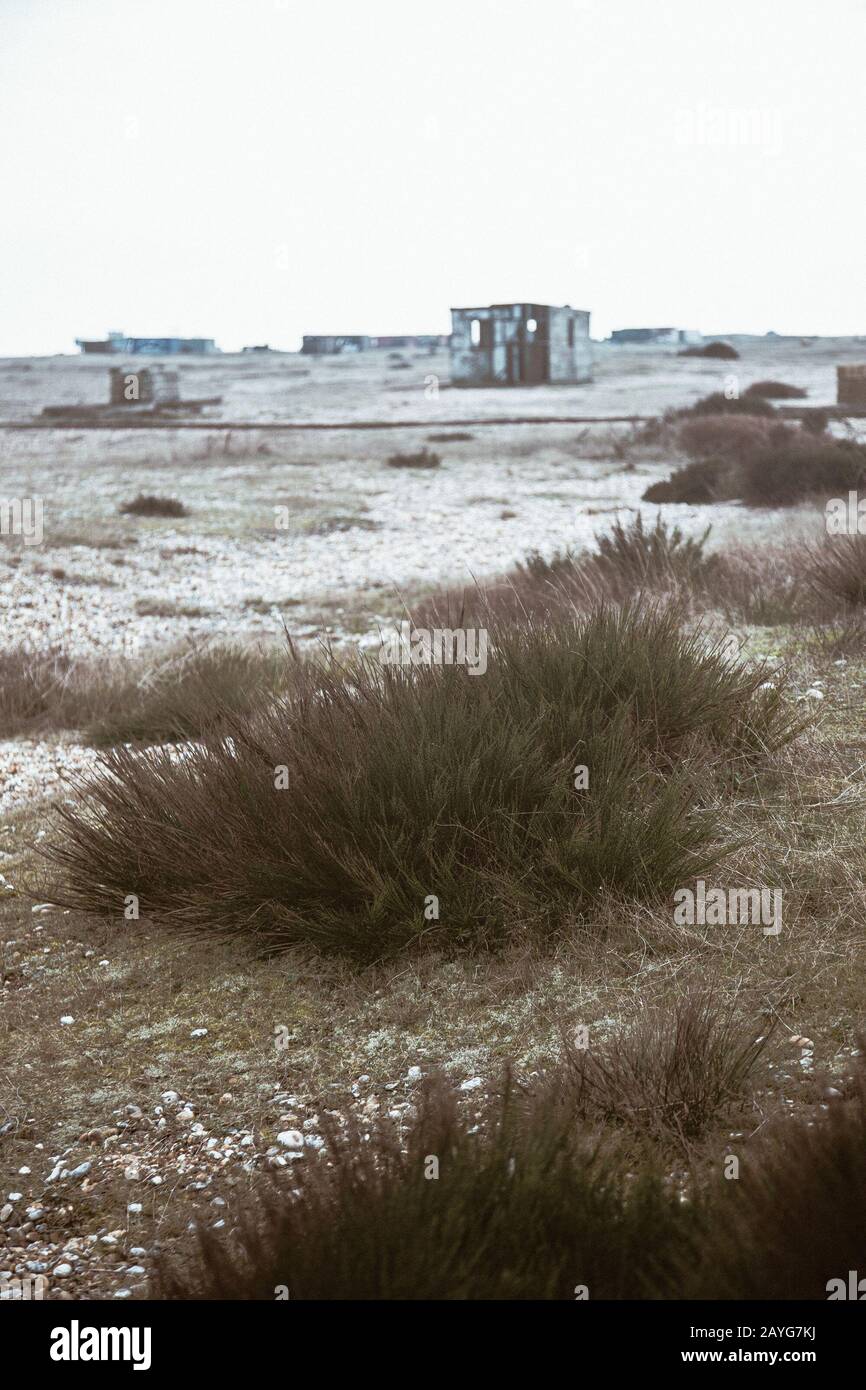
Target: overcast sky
x=252, y=170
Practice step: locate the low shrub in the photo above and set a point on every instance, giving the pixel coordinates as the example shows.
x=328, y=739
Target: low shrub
x=723, y=436
x=776, y=391
x=125, y=701
x=401, y=783
x=423, y=458
x=673, y=1072
x=723, y=351
x=794, y=1223
x=836, y=568
x=719, y=404
x=794, y=465
x=703, y=480
x=146, y=504
x=788, y=466
x=526, y=1207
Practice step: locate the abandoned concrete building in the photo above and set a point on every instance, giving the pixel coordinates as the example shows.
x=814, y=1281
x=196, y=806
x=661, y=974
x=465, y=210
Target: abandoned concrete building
x=154, y=347
x=672, y=337
x=851, y=384
x=520, y=345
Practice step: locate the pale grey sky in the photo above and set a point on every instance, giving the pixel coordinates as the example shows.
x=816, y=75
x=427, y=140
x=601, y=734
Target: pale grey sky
x=252, y=170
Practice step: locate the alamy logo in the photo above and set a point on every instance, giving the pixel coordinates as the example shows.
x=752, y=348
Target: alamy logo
x=22, y=516
x=855, y=1289
x=77, y=1343
x=734, y=127
x=438, y=646
x=14, y=1290
x=846, y=518
x=715, y=907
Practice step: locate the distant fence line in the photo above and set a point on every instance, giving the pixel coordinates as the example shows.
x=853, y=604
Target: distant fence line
x=272, y=425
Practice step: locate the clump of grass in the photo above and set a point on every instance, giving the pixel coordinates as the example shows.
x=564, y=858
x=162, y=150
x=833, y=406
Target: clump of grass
x=165, y=608
x=34, y=686
x=673, y=1072
x=638, y=557
x=722, y=351
x=422, y=458
x=776, y=391
x=722, y=436
x=628, y=559
x=402, y=783
x=701, y=481
x=788, y=466
x=186, y=695
x=719, y=404
x=742, y=584
x=836, y=569
x=456, y=437
x=796, y=1217
x=147, y=504
x=133, y=701
x=528, y=1207
x=795, y=465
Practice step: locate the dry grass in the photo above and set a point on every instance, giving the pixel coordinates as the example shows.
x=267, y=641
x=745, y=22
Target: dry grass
x=776, y=391
x=397, y=785
x=422, y=458
x=674, y=1071
x=147, y=504
x=119, y=701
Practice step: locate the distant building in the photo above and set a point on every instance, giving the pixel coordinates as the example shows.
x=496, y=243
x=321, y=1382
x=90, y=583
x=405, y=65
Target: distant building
x=153, y=347
x=851, y=384
x=414, y=340
x=325, y=344
x=664, y=337
x=520, y=345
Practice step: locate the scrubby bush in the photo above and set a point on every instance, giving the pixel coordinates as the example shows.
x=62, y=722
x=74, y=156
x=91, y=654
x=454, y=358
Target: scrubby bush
x=530, y=1206
x=146, y=504
x=114, y=701
x=401, y=783
x=723, y=436
x=719, y=404
x=775, y=391
x=527, y=1207
x=673, y=1072
x=787, y=466
x=635, y=557
x=704, y=480
x=183, y=696
x=423, y=458
x=836, y=568
x=794, y=465
x=796, y=1217
x=724, y=351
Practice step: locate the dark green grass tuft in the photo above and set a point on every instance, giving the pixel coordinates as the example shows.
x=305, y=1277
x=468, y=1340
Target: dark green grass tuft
x=673, y=1072
x=529, y=1207
x=406, y=783
x=776, y=391
x=175, y=698
x=422, y=458
x=146, y=504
